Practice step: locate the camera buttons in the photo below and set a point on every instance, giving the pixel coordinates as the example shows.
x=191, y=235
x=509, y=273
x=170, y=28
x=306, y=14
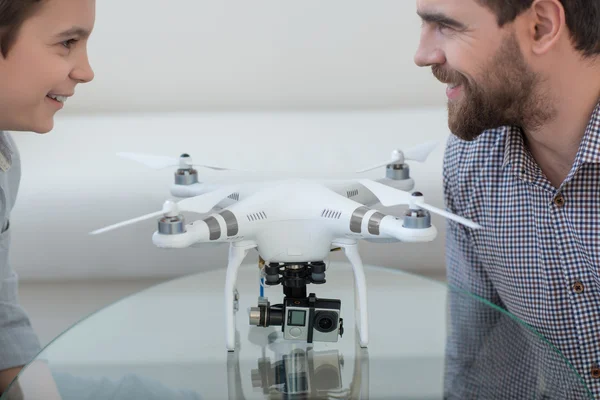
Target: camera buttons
x=296, y=332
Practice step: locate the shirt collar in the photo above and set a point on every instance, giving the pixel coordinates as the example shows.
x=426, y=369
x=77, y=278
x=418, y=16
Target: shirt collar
x=589, y=149
x=519, y=159
x=516, y=155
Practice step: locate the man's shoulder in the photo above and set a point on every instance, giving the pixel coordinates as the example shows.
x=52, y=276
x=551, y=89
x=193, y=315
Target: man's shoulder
x=463, y=157
x=468, y=163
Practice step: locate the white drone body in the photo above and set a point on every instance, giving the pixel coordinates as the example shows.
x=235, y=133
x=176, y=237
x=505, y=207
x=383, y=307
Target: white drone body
x=291, y=222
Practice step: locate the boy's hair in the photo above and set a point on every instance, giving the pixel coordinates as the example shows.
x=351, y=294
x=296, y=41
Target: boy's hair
x=12, y=15
x=582, y=18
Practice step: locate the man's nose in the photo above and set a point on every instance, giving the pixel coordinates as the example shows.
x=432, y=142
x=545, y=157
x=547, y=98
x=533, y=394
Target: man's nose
x=428, y=55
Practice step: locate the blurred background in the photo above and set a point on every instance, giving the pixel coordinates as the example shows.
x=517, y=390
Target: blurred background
x=313, y=89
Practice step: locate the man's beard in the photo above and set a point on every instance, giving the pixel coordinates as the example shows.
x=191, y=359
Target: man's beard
x=512, y=95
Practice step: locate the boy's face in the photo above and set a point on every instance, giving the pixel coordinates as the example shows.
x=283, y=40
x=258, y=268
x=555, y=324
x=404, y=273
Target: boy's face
x=48, y=58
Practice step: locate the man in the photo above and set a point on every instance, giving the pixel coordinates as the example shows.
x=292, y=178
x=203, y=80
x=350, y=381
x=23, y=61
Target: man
x=43, y=57
x=524, y=162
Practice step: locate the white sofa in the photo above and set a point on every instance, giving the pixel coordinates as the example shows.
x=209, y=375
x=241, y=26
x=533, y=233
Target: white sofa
x=73, y=183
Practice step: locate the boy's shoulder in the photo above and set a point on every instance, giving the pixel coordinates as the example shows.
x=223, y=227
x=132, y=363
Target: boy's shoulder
x=10, y=174
x=8, y=148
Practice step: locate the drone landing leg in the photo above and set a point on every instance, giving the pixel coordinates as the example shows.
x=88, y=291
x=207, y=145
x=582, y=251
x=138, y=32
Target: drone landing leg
x=359, y=388
x=237, y=253
x=235, y=389
x=360, y=291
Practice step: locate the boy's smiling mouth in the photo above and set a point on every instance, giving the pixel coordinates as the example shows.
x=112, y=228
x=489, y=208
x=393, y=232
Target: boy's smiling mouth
x=58, y=97
x=57, y=100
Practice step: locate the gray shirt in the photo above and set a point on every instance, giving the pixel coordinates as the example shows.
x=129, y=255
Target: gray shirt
x=18, y=342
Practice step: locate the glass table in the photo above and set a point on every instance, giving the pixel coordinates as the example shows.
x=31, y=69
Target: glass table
x=168, y=342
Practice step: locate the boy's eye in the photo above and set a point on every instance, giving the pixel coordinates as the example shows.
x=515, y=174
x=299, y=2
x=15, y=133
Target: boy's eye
x=69, y=43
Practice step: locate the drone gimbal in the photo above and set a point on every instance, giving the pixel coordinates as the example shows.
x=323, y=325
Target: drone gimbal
x=300, y=317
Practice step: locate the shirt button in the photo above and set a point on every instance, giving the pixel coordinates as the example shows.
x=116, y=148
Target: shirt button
x=595, y=371
x=559, y=200
x=578, y=288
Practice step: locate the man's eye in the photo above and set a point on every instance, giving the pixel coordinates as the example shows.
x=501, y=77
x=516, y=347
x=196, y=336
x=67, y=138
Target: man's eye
x=69, y=43
x=442, y=27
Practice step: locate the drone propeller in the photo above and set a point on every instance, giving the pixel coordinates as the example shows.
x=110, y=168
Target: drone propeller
x=161, y=162
x=416, y=153
x=199, y=204
x=389, y=196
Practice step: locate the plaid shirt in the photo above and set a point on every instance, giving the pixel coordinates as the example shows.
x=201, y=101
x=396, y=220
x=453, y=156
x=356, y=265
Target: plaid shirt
x=537, y=256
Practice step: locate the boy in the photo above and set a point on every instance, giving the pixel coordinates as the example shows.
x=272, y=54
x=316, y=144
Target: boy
x=43, y=56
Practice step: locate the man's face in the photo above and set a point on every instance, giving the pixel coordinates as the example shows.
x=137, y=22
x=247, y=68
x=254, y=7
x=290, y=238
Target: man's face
x=48, y=58
x=489, y=82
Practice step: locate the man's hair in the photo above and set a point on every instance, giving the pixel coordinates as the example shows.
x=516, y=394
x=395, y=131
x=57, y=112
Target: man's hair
x=582, y=18
x=12, y=15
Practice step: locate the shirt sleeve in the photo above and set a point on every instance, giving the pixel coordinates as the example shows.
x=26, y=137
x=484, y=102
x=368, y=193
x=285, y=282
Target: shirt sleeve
x=18, y=342
x=464, y=268
x=470, y=320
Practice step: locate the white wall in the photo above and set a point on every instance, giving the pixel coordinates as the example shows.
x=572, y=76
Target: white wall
x=157, y=55
x=73, y=183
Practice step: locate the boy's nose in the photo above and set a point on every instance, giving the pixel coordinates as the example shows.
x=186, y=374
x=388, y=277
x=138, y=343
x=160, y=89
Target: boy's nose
x=83, y=72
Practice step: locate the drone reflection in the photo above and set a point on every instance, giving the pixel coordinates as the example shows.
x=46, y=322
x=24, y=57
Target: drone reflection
x=288, y=370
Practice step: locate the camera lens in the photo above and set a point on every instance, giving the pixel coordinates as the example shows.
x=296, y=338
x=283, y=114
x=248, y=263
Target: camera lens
x=325, y=324
x=325, y=321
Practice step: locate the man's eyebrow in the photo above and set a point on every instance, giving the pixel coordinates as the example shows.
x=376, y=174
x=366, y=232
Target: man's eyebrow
x=74, y=31
x=439, y=18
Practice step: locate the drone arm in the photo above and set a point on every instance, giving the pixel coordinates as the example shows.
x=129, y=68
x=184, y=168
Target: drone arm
x=377, y=227
x=394, y=228
x=194, y=233
x=195, y=189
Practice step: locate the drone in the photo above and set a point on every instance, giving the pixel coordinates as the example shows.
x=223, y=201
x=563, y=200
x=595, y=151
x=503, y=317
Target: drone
x=293, y=225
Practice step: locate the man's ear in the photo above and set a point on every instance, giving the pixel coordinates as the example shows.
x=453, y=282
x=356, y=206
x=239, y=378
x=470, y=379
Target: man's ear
x=547, y=25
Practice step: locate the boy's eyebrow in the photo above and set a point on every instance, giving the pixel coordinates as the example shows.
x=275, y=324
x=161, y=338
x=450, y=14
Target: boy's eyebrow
x=439, y=18
x=74, y=31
